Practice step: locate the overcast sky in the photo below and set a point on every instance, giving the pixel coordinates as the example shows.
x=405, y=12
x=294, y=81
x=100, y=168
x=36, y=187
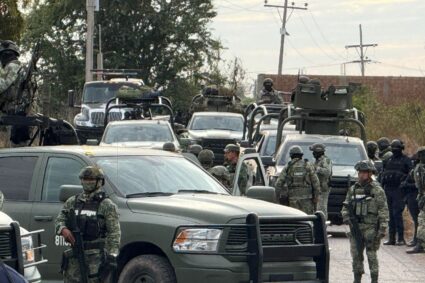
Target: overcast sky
x=318, y=36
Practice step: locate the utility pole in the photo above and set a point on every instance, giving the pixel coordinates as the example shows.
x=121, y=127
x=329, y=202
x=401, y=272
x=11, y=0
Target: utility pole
x=91, y=5
x=100, y=54
x=283, y=31
x=361, y=50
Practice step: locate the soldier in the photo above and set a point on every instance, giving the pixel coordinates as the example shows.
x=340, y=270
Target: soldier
x=221, y=174
x=410, y=192
x=206, y=158
x=384, y=147
x=365, y=211
x=299, y=183
x=419, y=175
x=169, y=146
x=268, y=94
x=96, y=216
x=231, y=158
x=395, y=170
x=372, y=150
x=195, y=149
x=323, y=168
x=9, y=75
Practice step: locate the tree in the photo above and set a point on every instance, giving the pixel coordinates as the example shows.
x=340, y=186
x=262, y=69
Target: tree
x=11, y=21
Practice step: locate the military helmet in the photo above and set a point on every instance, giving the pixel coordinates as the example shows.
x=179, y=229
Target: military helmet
x=295, y=150
x=220, y=172
x=195, y=149
x=314, y=82
x=366, y=165
x=206, y=156
x=232, y=147
x=6, y=45
x=421, y=150
x=169, y=146
x=397, y=144
x=303, y=79
x=91, y=172
x=210, y=90
x=383, y=143
x=268, y=81
x=318, y=147
x=372, y=146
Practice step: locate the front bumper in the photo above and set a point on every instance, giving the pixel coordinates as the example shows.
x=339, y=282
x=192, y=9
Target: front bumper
x=85, y=133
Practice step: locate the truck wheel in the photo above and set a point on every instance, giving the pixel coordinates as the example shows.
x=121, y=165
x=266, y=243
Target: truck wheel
x=148, y=269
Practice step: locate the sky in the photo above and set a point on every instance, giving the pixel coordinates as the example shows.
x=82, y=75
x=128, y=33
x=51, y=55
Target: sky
x=318, y=36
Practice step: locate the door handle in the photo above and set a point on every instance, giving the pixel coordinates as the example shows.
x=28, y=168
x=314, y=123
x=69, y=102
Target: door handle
x=43, y=218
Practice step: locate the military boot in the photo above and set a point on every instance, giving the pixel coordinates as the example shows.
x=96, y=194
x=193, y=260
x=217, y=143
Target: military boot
x=417, y=249
x=412, y=243
x=357, y=278
x=374, y=278
x=391, y=240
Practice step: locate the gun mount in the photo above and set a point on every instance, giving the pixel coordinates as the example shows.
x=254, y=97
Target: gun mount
x=216, y=99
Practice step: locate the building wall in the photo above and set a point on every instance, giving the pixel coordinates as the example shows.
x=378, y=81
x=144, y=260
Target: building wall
x=389, y=89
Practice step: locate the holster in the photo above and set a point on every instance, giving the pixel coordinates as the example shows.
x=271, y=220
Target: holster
x=66, y=255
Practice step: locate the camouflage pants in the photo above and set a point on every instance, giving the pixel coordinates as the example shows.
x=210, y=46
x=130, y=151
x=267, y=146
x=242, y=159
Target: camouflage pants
x=368, y=242
x=421, y=227
x=72, y=273
x=305, y=205
x=323, y=203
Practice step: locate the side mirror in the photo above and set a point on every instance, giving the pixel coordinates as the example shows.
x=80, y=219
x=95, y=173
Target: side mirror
x=71, y=98
x=268, y=161
x=262, y=193
x=92, y=142
x=67, y=191
x=244, y=144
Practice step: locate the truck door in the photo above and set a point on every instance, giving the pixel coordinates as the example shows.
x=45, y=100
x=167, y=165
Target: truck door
x=249, y=172
x=60, y=169
x=19, y=174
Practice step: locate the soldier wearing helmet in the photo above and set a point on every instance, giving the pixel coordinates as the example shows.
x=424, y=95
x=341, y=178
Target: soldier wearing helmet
x=298, y=183
x=323, y=168
x=206, y=158
x=384, y=147
x=221, y=174
x=419, y=175
x=9, y=75
x=231, y=158
x=96, y=216
x=372, y=150
x=365, y=210
x=395, y=170
x=268, y=94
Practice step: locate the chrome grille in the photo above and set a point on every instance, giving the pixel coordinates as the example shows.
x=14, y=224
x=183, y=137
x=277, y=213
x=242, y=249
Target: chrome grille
x=271, y=235
x=97, y=118
x=5, y=248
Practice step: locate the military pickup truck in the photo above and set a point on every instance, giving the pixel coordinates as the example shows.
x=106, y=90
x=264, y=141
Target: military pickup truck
x=178, y=223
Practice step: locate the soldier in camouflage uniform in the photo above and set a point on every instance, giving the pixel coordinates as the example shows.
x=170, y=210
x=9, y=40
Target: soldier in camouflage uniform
x=206, y=158
x=323, y=167
x=221, y=174
x=365, y=210
x=268, y=94
x=9, y=75
x=419, y=175
x=98, y=221
x=384, y=146
x=298, y=182
x=231, y=158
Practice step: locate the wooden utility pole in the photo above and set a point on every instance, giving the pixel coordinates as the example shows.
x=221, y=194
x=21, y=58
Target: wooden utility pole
x=283, y=32
x=90, y=7
x=361, y=50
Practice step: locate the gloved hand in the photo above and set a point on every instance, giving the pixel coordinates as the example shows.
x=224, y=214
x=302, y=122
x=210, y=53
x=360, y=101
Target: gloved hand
x=67, y=235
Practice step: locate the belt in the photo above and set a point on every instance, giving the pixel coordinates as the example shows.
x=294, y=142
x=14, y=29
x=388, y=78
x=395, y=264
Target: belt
x=94, y=246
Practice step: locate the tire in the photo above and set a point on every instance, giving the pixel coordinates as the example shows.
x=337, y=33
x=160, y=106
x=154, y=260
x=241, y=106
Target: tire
x=149, y=269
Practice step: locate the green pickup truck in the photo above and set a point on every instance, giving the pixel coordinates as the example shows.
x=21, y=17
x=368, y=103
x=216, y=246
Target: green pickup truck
x=178, y=223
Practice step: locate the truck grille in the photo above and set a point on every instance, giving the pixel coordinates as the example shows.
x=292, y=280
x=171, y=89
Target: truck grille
x=5, y=248
x=97, y=118
x=271, y=235
x=216, y=145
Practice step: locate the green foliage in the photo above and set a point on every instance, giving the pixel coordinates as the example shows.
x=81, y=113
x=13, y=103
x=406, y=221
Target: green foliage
x=11, y=21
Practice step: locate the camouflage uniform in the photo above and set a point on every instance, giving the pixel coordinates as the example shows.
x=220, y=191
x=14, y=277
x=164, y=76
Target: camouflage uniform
x=371, y=212
x=323, y=166
x=269, y=97
x=221, y=174
x=299, y=184
x=96, y=207
x=8, y=85
x=243, y=177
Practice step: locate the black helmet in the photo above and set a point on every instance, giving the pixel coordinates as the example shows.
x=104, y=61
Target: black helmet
x=383, y=143
x=397, y=144
x=372, y=146
x=268, y=81
x=8, y=45
x=366, y=165
x=304, y=79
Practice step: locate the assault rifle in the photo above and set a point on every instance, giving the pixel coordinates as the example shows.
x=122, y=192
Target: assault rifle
x=78, y=247
x=354, y=224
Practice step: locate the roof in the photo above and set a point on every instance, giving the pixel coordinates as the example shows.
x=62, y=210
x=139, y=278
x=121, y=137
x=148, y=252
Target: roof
x=224, y=114
x=91, y=151
x=138, y=122
x=322, y=138
x=117, y=81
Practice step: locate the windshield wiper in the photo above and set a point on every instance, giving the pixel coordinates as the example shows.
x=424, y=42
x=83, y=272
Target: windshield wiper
x=148, y=194
x=197, y=191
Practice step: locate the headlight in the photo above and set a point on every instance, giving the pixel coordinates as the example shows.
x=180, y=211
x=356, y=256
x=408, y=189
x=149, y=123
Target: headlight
x=83, y=116
x=27, y=249
x=197, y=240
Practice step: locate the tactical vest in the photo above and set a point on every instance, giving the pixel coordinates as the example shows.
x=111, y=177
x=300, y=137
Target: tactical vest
x=89, y=221
x=299, y=186
x=365, y=205
x=394, y=172
x=8, y=99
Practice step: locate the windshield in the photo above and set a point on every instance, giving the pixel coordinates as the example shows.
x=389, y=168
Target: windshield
x=270, y=146
x=218, y=123
x=102, y=92
x=340, y=154
x=156, y=174
x=138, y=133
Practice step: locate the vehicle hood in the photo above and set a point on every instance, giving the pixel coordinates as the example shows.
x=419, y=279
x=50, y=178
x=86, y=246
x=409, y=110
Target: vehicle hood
x=5, y=220
x=206, y=208
x=214, y=134
x=152, y=145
